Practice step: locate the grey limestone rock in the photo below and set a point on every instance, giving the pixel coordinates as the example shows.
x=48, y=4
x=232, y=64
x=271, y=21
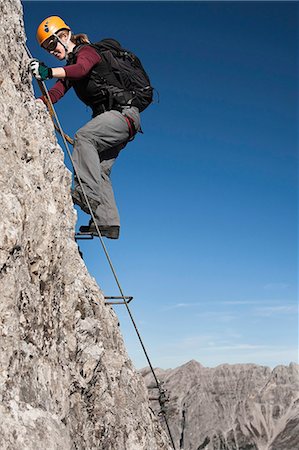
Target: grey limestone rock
x=232, y=407
x=66, y=380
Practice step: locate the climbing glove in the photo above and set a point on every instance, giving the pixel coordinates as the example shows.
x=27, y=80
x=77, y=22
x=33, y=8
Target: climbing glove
x=40, y=70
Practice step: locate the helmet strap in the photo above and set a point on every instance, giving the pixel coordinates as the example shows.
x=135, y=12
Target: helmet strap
x=66, y=44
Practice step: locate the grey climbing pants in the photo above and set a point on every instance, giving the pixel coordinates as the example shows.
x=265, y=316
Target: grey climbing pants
x=96, y=147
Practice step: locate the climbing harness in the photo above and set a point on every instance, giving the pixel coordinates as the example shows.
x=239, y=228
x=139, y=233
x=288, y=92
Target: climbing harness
x=131, y=126
x=125, y=299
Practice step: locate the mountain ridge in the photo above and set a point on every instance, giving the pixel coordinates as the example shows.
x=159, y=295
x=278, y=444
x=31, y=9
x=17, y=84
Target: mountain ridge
x=228, y=407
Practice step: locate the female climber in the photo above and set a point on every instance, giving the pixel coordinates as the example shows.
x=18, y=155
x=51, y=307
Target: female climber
x=98, y=143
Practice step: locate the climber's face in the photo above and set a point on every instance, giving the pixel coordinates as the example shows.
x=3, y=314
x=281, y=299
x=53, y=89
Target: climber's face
x=54, y=45
x=59, y=51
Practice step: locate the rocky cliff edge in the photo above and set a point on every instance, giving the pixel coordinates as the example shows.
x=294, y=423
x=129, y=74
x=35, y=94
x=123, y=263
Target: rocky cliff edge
x=65, y=378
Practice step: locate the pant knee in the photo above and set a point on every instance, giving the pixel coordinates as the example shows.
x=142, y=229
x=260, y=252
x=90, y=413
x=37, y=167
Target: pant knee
x=81, y=134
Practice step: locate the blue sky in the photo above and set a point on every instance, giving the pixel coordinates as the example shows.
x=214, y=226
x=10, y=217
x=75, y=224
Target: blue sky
x=208, y=195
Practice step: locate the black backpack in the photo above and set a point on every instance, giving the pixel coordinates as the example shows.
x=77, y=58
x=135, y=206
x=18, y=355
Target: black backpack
x=124, y=75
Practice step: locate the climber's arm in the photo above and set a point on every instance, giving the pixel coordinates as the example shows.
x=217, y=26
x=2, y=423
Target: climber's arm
x=57, y=91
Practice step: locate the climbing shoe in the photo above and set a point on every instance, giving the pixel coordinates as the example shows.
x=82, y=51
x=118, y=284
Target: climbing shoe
x=111, y=231
x=78, y=199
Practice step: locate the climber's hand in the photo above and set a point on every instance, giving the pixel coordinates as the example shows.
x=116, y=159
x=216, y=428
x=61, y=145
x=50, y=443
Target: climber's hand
x=39, y=101
x=40, y=104
x=40, y=70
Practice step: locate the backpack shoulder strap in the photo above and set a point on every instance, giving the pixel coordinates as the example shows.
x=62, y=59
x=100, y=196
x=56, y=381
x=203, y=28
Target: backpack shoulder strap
x=72, y=56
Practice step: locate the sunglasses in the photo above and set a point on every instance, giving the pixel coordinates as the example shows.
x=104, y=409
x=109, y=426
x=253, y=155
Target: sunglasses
x=50, y=44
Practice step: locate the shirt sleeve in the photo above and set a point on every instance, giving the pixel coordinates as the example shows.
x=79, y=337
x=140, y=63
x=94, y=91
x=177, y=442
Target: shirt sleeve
x=87, y=58
x=57, y=91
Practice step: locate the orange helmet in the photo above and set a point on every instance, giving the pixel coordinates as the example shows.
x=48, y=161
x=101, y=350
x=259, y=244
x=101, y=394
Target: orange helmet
x=50, y=26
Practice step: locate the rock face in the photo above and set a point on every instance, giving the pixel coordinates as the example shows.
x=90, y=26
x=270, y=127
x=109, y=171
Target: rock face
x=232, y=407
x=65, y=378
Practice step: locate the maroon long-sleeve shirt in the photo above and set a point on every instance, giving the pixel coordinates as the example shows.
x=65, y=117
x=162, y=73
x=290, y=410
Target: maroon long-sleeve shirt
x=87, y=58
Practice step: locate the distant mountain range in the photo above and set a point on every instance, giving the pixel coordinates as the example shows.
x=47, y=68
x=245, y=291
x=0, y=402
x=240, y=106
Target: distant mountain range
x=231, y=407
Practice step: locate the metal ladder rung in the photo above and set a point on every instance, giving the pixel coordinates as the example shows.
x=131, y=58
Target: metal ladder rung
x=128, y=300
x=83, y=236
